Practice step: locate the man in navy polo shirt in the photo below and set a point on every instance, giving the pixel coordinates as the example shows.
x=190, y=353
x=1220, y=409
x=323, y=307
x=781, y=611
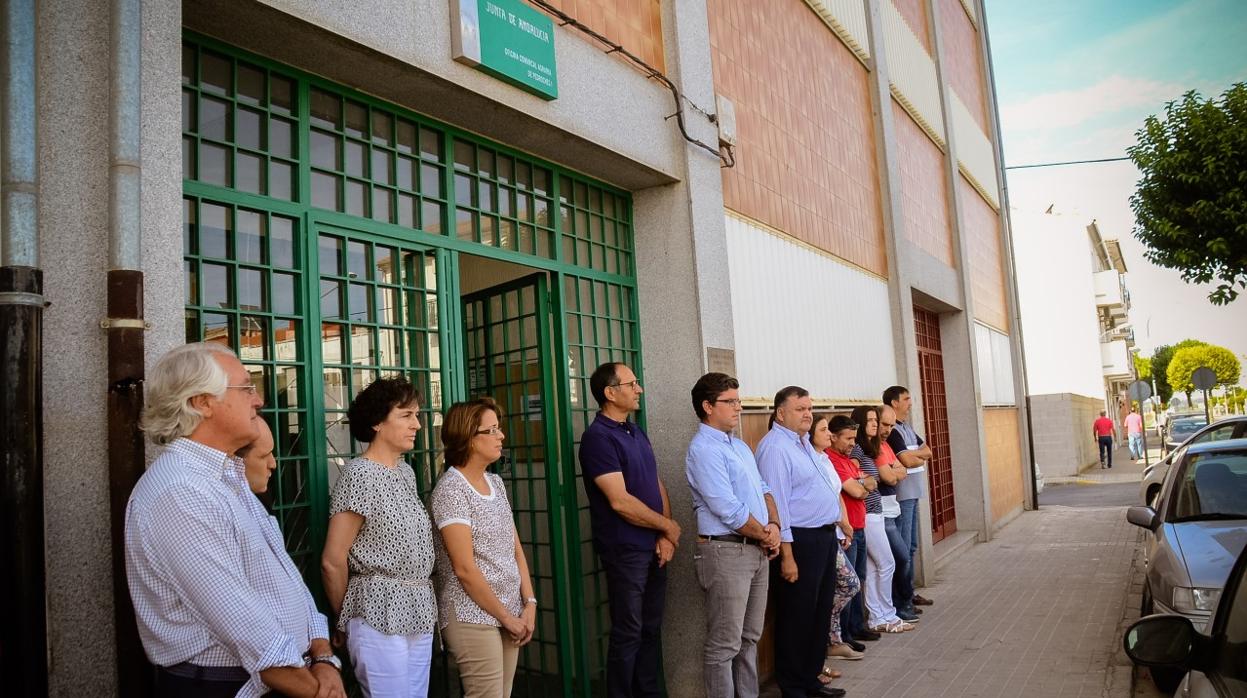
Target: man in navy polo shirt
x=633, y=532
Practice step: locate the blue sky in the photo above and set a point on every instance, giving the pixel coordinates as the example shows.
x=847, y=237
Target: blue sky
x=1074, y=81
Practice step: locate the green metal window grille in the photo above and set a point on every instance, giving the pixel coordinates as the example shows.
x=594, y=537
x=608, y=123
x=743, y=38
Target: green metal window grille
x=503, y=201
x=596, y=225
x=239, y=125
x=243, y=288
x=600, y=325
x=378, y=319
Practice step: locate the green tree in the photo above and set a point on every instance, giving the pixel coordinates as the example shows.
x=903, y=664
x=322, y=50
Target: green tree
x=1184, y=362
x=1142, y=368
x=1160, y=365
x=1190, y=205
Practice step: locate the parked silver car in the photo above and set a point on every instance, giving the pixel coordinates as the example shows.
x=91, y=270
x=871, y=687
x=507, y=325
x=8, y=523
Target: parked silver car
x=1234, y=427
x=1198, y=528
x=1215, y=661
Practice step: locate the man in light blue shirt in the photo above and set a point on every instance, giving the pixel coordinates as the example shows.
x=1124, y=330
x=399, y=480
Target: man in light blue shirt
x=807, y=496
x=731, y=502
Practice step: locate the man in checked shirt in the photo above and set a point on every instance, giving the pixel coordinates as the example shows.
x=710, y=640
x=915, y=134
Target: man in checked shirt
x=222, y=610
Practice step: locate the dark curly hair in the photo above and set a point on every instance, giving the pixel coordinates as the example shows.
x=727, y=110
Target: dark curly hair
x=373, y=405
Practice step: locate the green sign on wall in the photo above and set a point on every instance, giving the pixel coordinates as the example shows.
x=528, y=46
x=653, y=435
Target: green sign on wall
x=507, y=39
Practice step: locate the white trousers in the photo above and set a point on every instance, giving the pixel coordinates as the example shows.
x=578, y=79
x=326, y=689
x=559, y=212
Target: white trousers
x=879, y=569
x=389, y=666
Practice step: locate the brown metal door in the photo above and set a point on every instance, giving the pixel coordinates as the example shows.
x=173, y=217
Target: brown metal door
x=935, y=422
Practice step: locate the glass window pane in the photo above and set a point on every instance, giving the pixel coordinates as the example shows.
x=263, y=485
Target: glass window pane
x=188, y=64
x=382, y=128
x=325, y=192
x=487, y=229
x=465, y=155
x=332, y=255
x=406, y=173
x=354, y=158
x=485, y=163
x=523, y=176
x=406, y=137
x=506, y=234
x=253, y=338
x=250, y=289
x=284, y=293
x=430, y=144
x=595, y=200
x=506, y=199
x=326, y=150
x=280, y=180
x=214, y=164
x=521, y=206
x=382, y=208
x=215, y=73
x=249, y=173
x=215, y=278
x=485, y=195
x=356, y=120
x=214, y=230
x=188, y=157
x=326, y=109
x=387, y=305
x=541, y=180
x=406, y=210
x=249, y=242
x=331, y=353
x=541, y=212
x=361, y=304
x=282, y=234
x=431, y=217
x=362, y=349
x=431, y=181
x=357, y=260
x=217, y=328
x=285, y=348
x=214, y=121
x=250, y=84
x=189, y=243
x=465, y=224
x=330, y=299
x=464, y=190
x=191, y=290
x=390, y=349
x=356, y=198
x=381, y=166
x=281, y=138
x=506, y=172
x=188, y=111
x=526, y=242
x=281, y=94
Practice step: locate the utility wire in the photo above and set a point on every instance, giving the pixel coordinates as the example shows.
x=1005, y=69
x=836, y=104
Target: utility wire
x=1058, y=164
x=723, y=152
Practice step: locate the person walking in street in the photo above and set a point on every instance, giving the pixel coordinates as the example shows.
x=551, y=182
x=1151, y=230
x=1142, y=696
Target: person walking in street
x=487, y=609
x=737, y=535
x=379, y=553
x=1102, y=430
x=830, y=436
x=1134, y=432
x=913, y=453
x=633, y=532
x=884, y=543
x=807, y=497
x=221, y=608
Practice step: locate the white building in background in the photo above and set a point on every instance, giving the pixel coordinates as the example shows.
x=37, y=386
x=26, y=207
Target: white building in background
x=1076, y=332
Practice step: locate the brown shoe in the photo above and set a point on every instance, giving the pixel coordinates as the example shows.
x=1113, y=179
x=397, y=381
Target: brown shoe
x=922, y=600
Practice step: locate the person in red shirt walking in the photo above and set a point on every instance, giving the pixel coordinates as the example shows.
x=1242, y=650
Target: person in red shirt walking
x=1102, y=431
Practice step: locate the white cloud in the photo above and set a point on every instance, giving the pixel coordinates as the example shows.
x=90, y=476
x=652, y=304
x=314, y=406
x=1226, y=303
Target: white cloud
x=1066, y=108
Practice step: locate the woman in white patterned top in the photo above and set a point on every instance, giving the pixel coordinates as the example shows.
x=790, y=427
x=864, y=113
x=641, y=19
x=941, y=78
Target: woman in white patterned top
x=378, y=553
x=487, y=607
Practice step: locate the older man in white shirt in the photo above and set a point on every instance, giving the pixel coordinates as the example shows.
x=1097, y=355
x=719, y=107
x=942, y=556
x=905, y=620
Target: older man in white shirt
x=222, y=610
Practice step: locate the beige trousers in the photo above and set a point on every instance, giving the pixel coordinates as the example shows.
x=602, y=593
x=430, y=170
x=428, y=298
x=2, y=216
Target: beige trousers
x=486, y=657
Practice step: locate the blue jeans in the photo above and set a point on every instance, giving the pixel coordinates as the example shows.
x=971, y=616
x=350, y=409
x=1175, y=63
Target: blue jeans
x=902, y=580
x=853, y=617
x=1136, y=445
x=910, y=530
x=637, y=588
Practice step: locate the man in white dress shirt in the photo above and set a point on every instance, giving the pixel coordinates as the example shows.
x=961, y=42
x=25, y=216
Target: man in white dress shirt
x=221, y=608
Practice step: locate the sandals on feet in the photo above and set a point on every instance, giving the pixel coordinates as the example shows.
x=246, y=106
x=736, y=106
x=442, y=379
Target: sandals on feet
x=827, y=674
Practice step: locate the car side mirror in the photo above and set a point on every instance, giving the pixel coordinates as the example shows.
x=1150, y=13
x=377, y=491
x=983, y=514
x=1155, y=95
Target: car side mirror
x=1143, y=516
x=1166, y=641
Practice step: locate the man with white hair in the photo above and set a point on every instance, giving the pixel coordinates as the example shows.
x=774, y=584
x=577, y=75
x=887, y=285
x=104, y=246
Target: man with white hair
x=222, y=610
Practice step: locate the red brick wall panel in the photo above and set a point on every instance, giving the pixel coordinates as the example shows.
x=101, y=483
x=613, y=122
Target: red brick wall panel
x=806, y=156
x=985, y=261
x=915, y=14
x=925, y=218
x=962, y=67
x=634, y=24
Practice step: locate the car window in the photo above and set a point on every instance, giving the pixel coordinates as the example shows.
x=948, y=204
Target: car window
x=1212, y=486
x=1220, y=433
x=1231, y=661
x=1182, y=430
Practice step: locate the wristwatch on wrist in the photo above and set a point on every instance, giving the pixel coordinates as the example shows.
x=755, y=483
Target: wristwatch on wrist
x=330, y=659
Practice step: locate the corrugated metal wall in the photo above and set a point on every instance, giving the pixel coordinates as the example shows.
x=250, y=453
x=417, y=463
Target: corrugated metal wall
x=911, y=73
x=804, y=318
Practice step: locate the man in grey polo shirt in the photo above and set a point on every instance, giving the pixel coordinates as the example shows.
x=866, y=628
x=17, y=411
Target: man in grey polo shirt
x=913, y=454
x=738, y=533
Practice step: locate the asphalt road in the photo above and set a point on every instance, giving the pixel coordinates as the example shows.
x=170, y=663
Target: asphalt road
x=1098, y=495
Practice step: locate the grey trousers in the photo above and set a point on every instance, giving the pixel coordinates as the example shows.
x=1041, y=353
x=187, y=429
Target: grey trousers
x=735, y=577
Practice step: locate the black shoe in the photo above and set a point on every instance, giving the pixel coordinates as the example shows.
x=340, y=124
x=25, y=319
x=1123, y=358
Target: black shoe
x=866, y=635
x=920, y=600
x=826, y=692
x=857, y=646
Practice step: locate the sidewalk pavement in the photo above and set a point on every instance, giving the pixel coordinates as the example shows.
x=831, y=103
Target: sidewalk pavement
x=1038, y=611
x=1123, y=470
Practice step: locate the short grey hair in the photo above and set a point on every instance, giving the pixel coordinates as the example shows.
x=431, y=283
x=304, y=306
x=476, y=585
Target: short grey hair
x=178, y=376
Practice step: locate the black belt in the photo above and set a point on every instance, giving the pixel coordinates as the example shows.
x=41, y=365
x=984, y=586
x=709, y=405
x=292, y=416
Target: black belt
x=187, y=670
x=732, y=538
